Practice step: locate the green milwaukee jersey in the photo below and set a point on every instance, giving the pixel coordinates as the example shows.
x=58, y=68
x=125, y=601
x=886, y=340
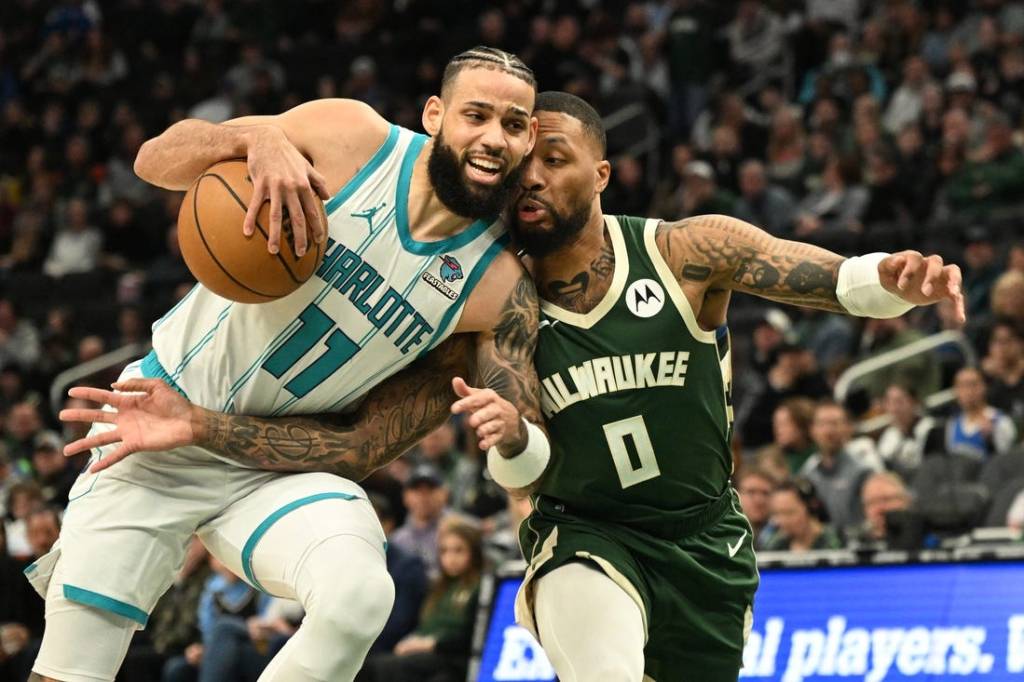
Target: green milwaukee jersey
x=635, y=394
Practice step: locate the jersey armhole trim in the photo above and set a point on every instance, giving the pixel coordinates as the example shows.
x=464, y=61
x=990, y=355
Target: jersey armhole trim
x=368, y=169
x=675, y=292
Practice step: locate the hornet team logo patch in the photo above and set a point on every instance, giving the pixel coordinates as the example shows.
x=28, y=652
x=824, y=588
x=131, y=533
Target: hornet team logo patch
x=451, y=270
x=645, y=298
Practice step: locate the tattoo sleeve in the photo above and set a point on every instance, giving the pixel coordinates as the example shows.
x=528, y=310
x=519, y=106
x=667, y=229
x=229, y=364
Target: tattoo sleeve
x=394, y=416
x=736, y=255
x=504, y=356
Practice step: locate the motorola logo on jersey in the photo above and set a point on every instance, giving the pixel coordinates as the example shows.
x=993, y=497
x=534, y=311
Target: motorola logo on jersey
x=645, y=298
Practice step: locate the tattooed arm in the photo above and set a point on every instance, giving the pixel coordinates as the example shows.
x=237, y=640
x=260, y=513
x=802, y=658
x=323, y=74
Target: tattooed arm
x=152, y=417
x=725, y=253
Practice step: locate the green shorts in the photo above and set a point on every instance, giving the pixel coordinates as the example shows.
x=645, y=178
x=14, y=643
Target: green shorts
x=695, y=591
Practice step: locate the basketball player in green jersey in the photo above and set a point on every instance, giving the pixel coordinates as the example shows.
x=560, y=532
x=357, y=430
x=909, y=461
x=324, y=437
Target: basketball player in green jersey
x=641, y=565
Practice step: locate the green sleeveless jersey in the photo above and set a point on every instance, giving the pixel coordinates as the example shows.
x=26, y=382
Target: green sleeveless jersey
x=636, y=396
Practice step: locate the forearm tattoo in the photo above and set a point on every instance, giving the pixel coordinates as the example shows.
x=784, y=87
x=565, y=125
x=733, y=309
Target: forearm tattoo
x=713, y=246
x=393, y=418
x=504, y=358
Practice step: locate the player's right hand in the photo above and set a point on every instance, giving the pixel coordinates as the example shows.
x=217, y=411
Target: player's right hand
x=284, y=177
x=148, y=416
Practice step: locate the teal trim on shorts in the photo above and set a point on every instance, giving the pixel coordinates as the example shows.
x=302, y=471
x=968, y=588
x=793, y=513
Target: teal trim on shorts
x=382, y=153
x=261, y=530
x=101, y=601
x=152, y=369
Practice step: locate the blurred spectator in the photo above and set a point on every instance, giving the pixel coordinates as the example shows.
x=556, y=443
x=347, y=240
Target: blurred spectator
x=501, y=539
x=837, y=208
x=1015, y=261
x=21, y=616
x=801, y=519
x=439, y=648
x=882, y=493
x=42, y=527
x=994, y=174
x=627, y=191
x=426, y=497
x=226, y=598
x=768, y=206
x=792, y=444
x=76, y=248
x=902, y=444
x=54, y=472
x=1003, y=368
x=786, y=149
x=830, y=338
x=757, y=40
x=24, y=497
x=409, y=576
x=1008, y=296
x=724, y=157
x=690, y=38
x=19, y=338
x=438, y=448
x=23, y=423
x=1015, y=516
x=981, y=269
x=906, y=103
x=920, y=370
x=755, y=488
x=835, y=474
x=700, y=192
x=978, y=430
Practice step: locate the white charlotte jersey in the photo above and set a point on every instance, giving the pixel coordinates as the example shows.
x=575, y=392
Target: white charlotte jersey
x=379, y=300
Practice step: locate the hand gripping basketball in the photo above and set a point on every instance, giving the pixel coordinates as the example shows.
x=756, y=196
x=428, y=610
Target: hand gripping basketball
x=282, y=175
x=148, y=416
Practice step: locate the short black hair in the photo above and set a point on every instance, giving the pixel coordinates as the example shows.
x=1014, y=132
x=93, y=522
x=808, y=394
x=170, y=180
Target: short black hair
x=566, y=103
x=482, y=57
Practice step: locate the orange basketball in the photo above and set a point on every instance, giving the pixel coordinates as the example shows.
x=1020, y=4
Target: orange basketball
x=222, y=258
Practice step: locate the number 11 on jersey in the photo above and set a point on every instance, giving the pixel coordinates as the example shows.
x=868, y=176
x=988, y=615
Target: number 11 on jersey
x=634, y=429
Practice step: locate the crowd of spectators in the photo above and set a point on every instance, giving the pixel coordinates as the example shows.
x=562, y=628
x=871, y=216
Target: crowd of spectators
x=859, y=125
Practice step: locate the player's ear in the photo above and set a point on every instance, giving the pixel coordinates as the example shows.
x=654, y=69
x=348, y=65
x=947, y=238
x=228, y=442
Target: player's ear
x=433, y=114
x=534, y=125
x=603, y=171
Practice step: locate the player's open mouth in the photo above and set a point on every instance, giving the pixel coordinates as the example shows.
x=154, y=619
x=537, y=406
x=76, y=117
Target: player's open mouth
x=530, y=210
x=485, y=170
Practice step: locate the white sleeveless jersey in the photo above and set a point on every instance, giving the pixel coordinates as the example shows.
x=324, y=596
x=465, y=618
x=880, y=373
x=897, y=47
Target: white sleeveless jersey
x=379, y=300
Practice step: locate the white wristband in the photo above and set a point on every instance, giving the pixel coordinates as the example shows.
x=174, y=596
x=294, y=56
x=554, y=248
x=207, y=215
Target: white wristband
x=526, y=467
x=860, y=289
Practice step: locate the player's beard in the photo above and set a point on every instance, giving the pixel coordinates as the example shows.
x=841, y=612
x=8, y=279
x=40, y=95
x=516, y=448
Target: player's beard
x=460, y=195
x=565, y=228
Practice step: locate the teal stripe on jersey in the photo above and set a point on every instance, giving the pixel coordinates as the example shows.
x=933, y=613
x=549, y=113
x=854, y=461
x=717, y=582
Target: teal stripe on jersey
x=366, y=171
x=174, y=309
x=478, y=271
x=411, y=245
x=362, y=342
x=261, y=530
x=206, y=338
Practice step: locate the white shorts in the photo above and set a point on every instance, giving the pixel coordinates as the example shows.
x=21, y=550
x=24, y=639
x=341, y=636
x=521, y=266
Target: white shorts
x=126, y=528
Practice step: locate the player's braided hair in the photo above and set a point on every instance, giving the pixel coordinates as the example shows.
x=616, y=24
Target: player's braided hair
x=482, y=57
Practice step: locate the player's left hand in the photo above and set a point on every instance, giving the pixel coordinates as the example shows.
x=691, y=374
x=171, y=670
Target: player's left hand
x=497, y=421
x=148, y=416
x=923, y=280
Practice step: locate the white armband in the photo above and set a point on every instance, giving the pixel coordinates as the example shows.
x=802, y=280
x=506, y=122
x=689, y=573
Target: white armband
x=526, y=467
x=860, y=289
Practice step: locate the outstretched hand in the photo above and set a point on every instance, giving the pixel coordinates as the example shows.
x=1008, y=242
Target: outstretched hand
x=923, y=280
x=497, y=421
x=148, y=416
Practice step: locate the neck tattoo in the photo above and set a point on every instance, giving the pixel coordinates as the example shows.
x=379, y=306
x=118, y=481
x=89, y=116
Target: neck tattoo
x=582, y=292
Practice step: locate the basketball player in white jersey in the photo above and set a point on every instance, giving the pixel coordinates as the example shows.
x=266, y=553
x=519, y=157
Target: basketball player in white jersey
x=414, y=253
